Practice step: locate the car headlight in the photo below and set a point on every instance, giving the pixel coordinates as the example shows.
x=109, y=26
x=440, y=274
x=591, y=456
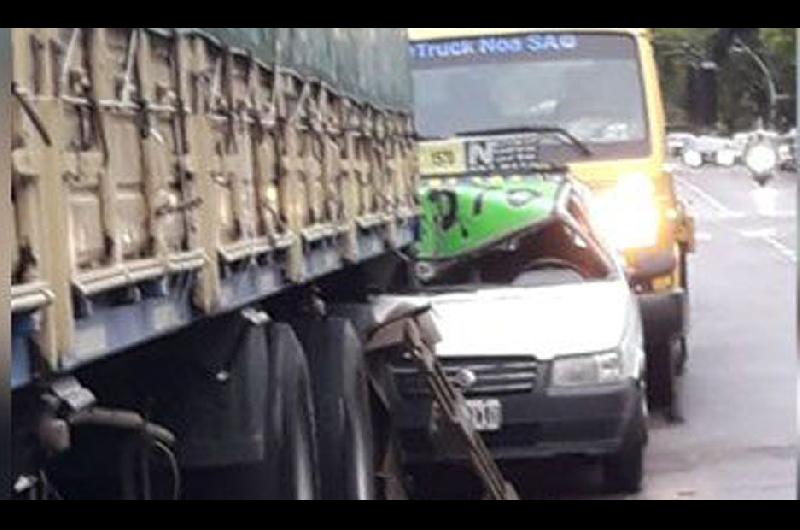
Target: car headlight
x=761, y=158
x=692, y=158
x=726, y=157
x=584, y=370
x=628, y=214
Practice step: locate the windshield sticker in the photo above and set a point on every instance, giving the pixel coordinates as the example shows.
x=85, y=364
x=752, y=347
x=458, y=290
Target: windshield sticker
x=480, y=156
x=503, y=154
x=496, y=45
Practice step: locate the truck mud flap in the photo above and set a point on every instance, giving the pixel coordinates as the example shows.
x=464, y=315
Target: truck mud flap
x=212, y=389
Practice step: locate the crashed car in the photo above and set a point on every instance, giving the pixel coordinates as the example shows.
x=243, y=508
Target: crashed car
x=538, y=326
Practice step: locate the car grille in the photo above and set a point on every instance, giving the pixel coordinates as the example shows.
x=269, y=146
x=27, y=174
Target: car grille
x=492, y=376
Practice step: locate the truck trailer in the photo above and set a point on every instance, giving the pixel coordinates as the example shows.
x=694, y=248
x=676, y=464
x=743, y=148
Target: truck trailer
x=198, y=217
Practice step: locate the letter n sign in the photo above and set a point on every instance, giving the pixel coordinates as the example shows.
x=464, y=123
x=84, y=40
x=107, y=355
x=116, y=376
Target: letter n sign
x=480, y=154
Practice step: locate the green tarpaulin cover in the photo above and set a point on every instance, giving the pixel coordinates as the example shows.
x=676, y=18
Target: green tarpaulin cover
x=368, y=63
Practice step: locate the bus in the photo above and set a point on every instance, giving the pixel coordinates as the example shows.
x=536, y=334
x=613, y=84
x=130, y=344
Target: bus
x=586, y=98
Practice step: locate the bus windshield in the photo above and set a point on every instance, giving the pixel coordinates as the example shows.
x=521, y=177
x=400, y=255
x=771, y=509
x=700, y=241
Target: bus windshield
x=588, y=84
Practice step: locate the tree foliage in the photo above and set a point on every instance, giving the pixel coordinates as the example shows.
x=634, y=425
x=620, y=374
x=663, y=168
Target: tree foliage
x=743, y=91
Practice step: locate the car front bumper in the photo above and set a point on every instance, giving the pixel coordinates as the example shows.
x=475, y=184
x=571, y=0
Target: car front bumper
x=537, y=424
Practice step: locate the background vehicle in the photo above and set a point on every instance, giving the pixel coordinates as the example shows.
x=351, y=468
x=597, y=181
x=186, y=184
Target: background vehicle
x=539, y=327
x=787, y=151
x=600, y=87
x=762, y=156
x=676, y=142
x=184, y=202
x=709, y=149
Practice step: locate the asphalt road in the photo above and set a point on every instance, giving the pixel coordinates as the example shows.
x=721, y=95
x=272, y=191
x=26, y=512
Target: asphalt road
x=739, y=393
x=738, y=440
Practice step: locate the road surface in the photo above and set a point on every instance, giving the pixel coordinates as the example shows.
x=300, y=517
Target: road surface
x=738, y=440
x=739, y=393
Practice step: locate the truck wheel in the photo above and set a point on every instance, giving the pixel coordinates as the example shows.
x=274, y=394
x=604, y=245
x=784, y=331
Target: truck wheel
x=683, y=356
x=298, y=465
x=623, y=471
x=342, y=406
x=290, y=424
x=662, y=369
x=288, y=469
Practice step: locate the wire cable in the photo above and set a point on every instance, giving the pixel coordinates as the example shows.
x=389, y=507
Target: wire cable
x=173, y=463
x=48, y=489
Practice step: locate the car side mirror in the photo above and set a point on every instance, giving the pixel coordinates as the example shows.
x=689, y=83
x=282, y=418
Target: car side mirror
x=702, y=94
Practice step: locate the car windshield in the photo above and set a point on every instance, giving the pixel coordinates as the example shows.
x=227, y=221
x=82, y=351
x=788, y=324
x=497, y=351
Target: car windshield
x=588, y=84
x=553, y=255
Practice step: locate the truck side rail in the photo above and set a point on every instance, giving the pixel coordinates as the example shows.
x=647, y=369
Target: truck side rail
x=159, y=176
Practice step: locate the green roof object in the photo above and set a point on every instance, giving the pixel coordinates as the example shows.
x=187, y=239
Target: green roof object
x=465, y=215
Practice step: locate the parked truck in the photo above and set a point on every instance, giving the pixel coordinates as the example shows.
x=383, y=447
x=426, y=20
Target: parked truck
x=198, y=215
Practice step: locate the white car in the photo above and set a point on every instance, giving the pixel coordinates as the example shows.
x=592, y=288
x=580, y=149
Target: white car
x=710, y=149
x=544, y=336
x=676, y=141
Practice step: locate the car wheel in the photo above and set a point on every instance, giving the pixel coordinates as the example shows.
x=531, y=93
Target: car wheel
x=623, y=471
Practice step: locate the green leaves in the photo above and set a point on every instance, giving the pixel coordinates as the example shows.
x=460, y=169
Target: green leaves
x=743, y=92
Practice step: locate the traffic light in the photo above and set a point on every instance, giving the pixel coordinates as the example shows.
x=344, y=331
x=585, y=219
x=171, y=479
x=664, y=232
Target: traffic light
x=702, y=94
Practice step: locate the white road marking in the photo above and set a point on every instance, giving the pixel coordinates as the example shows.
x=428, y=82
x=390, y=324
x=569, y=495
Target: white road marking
x=785, y=251
x=758, y=232
x=768, y=236
x=782, y=214
x=719, y=208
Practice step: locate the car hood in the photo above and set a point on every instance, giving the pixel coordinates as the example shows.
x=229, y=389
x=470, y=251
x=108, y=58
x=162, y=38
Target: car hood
x=541, y=321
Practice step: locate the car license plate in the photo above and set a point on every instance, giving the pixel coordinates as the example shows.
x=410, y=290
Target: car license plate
x=486, y=414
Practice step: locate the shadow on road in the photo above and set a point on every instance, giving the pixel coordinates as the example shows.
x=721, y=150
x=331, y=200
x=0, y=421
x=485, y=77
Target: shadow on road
x=558, y=478
x=562, y=478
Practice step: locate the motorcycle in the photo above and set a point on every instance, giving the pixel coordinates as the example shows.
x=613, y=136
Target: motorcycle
x=761, y=158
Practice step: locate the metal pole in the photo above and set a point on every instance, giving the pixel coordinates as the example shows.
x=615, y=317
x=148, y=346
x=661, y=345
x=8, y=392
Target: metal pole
x=773, y=91
x=5, y=318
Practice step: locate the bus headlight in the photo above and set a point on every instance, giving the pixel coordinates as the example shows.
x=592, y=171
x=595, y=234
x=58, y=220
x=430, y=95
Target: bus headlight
x=583, y=370
x=628, y=214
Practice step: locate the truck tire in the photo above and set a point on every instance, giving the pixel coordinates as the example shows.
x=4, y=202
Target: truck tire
x=288, y=469
x=623, y=471
x=683, y=356
x=342, y=405
x=662, y=374
x=290, y=422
